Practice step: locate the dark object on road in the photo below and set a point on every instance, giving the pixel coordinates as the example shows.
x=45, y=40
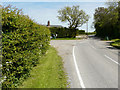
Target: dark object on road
x=53, y=36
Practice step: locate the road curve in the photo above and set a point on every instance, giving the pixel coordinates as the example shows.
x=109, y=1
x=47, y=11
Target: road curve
x=89, y=63
x=98, y=65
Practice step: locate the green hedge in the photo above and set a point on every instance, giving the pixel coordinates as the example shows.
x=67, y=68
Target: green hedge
x=63, y=32
x=79, y=32
x=23, y=42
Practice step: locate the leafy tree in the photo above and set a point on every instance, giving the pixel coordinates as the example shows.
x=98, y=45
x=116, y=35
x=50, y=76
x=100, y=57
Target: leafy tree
x=113, y=3
x=73, y=15
x=118, y=23
x=106, y=21
x=75, y=18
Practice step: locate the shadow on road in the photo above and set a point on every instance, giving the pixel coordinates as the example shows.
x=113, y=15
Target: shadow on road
x=108, y=46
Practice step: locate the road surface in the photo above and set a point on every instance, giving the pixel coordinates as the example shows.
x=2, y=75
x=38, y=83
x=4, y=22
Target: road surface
x=90, y=63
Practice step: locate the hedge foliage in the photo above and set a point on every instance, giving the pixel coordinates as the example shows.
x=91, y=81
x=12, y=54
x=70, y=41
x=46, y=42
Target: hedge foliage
x=79, y=32
x=23, y=43
x=63, y=32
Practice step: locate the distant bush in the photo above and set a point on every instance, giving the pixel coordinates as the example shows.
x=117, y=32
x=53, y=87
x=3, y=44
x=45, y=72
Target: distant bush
x=79, y=32
x=23, y=42
x=116, y=43
x=91, y=33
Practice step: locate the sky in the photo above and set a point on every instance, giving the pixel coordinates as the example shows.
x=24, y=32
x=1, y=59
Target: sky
x=54, y=0
x=41, y=11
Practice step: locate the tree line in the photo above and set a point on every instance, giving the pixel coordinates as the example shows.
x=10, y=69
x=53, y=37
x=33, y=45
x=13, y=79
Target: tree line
x=107, y=21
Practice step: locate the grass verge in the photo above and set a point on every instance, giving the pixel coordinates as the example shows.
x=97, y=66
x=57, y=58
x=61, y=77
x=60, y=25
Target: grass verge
x=48, y=73
x=115, y=43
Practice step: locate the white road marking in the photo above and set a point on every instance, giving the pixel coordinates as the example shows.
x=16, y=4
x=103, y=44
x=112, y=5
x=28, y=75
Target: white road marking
x=77, y=70
x=92, y=46
x=111, y=59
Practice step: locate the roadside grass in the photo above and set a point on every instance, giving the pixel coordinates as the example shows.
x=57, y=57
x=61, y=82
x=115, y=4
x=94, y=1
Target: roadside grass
x=115, y=43
x=66, y=39
x=48, y=73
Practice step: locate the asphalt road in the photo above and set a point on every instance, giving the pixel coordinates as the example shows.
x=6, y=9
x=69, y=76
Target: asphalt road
x=90, y=63
x=97, y=63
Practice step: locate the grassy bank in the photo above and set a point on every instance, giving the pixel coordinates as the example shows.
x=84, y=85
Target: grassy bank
x=48, y=73
x=116, y=43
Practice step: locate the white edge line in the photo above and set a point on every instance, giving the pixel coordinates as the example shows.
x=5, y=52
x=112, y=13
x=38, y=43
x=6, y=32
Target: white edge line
x=111, y=59
x=77, y=70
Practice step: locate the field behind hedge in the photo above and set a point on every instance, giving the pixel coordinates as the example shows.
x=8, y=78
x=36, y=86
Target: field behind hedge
x=23, y=43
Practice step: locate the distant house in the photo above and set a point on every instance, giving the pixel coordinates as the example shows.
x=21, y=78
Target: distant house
x=57, y=26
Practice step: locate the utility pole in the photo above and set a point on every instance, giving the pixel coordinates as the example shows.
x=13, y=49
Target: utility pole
x=87, y=28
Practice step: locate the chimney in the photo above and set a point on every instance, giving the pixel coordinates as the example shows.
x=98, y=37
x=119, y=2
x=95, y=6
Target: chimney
x=48, y=23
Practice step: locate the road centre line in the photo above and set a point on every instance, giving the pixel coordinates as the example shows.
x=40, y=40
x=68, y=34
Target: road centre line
x=92, y=46
x=111, y=59
x=77, y=70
